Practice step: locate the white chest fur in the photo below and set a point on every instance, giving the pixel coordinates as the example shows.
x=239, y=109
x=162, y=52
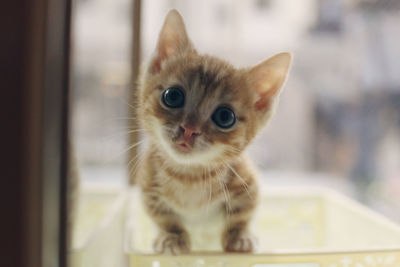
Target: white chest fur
x=201, y=212
x=191, y=200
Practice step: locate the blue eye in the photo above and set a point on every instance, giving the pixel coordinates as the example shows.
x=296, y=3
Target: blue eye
x=224, y=117
x=173, y=97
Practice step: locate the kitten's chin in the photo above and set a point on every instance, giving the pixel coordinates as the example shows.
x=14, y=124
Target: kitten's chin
x=186, y=155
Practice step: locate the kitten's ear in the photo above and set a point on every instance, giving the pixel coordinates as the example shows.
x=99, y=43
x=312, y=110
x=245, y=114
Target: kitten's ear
x=171, y=41
x=268, y=77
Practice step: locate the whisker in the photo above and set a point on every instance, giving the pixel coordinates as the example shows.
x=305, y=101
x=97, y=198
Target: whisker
x=129, y=105
x=222, y=186
x=130, y=118
x=105, y=121
x=123, y=132
x=139, y=160
x=232, y=149
x=245, y=185
x=210, y=187
x=130, y=147
x=134, y=158
x=229, y=206
x=133, y=130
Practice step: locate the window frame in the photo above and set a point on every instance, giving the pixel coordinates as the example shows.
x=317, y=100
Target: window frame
x=35, y=96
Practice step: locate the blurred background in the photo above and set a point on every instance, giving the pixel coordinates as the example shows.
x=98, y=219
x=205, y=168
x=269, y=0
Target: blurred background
x=338, y=122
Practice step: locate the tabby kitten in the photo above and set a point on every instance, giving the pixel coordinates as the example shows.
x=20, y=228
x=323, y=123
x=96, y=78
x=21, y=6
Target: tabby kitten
x=200, y=113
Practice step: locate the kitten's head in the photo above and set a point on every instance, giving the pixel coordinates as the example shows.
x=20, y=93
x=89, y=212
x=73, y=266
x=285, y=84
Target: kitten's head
x=200, y=109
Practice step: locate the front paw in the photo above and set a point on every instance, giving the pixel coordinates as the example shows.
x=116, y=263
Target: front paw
x=234, y=241
x=172, y=244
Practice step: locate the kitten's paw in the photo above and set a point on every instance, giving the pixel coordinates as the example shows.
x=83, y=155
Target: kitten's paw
x=172, y=244
x=243, y=242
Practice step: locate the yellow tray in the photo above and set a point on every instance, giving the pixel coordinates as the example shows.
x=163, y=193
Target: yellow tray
x=296, y=228
x=99, y=230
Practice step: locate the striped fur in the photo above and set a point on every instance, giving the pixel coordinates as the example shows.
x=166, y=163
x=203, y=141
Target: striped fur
x=214, y=174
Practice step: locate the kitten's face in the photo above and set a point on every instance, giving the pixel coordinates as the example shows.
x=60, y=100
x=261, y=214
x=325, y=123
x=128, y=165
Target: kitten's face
x=199, y=109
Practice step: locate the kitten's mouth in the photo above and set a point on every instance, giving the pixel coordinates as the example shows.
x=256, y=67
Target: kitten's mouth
x=184, y=147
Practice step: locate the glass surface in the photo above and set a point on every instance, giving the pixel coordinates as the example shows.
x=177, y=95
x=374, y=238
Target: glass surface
x=338, y=121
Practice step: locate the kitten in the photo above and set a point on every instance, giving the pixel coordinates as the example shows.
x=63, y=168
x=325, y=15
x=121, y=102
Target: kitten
x=201, y=113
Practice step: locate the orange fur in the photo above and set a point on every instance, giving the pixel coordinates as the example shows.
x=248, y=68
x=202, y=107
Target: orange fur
x=213, y=172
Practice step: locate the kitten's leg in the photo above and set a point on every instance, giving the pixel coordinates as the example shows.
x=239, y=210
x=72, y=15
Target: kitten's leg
x=172, y=237
x=236, y=236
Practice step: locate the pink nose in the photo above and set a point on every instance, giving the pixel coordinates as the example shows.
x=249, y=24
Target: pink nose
x=189, y=131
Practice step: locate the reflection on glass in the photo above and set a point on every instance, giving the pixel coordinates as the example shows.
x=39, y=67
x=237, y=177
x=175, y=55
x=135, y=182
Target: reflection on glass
x=338, y=123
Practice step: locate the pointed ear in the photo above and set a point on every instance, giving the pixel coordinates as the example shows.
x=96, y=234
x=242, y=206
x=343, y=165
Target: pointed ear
x=268, y=78
x=172, y=40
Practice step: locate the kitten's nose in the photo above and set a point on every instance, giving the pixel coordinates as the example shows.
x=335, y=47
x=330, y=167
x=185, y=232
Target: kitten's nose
x=189, y=131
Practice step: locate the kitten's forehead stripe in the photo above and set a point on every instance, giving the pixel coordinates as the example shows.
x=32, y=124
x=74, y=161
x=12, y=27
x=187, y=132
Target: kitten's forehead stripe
x=207, y=84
